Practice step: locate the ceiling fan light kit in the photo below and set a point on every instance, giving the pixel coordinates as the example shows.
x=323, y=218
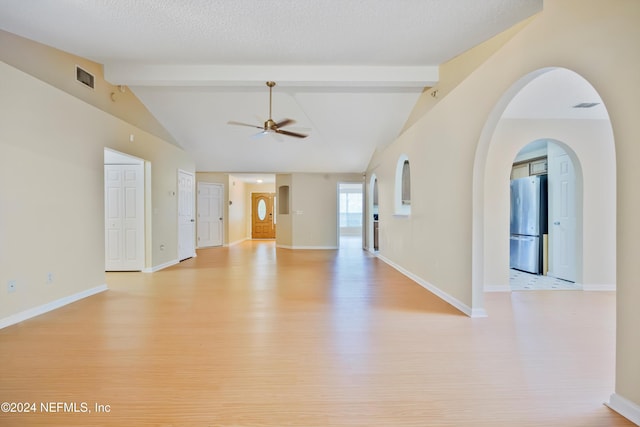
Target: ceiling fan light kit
x=270, y=126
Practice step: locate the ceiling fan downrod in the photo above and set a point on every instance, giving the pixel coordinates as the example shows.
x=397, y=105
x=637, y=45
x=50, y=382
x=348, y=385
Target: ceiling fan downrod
x=271, y=85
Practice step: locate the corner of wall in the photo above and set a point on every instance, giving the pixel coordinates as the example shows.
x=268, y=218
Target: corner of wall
x=57, y=68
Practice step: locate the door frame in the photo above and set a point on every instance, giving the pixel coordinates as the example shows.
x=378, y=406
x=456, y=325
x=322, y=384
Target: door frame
x=364, y=210
x=192, y=249
x=115, y=157
x=273, y=211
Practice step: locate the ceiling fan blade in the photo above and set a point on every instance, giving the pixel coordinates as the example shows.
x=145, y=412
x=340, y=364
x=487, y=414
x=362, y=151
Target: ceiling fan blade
x=259, y=134
x=294, y=134
x=299, y=129
x=244, y=124
x=285, y=122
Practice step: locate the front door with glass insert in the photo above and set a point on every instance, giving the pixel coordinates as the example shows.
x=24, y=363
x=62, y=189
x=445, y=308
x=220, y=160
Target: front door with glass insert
x=263, y=224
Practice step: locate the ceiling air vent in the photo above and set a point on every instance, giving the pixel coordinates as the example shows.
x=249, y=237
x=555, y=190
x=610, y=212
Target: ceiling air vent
x=85, y=77
x=586, y=105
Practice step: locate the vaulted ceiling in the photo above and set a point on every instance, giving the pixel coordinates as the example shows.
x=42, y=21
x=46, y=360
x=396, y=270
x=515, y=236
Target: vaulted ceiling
x=347, y=71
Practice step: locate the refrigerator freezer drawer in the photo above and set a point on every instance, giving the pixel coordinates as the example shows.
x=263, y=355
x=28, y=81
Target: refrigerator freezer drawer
x=524, y=253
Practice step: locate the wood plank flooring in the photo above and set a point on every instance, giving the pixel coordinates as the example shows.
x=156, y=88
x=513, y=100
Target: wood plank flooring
x=257, y=336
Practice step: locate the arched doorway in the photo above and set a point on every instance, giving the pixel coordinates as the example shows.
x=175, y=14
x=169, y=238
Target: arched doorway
x=553, y=220
x=545, y=104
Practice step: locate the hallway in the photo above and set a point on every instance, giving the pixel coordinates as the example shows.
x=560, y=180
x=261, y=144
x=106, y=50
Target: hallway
x=251, y=335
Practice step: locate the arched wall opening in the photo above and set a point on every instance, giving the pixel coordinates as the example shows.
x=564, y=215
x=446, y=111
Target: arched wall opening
x=561, y=241
x=588, y=139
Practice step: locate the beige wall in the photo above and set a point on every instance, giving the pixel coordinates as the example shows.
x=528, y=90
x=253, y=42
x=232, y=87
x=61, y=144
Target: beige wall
x=284, y=234
x=443, y=241
x=52, y=221
x=237, y=216
x=58, y=69
x=314, y=209
x=456, y=70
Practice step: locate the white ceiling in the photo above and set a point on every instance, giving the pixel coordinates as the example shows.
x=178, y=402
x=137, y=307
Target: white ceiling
x=553, y=95
x=349, y=71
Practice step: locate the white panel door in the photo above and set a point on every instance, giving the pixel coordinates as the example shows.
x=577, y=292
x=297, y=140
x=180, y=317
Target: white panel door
x=562, y=218
x=124, y=217
x=186, y=216
x=210, y=219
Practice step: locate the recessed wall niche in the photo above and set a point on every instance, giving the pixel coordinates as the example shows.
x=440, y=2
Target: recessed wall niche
x=283, y=200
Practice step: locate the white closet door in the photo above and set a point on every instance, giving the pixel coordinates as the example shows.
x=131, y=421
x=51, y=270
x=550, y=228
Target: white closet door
x=210, y=219
x=124, y=217
x=562, y=215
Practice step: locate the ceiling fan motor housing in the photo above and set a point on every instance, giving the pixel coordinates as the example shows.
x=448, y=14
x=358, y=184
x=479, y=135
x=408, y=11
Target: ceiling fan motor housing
x=270, y=125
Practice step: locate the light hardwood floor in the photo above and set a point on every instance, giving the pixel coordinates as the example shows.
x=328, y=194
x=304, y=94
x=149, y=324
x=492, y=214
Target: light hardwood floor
x=257, y=336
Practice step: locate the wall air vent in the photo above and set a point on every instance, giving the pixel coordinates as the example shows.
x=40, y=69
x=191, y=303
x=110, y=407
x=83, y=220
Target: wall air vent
x=85, y=77
x=586, y=105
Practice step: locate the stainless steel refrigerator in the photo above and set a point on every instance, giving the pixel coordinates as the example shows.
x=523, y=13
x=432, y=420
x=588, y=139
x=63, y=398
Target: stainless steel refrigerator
x=528, y=223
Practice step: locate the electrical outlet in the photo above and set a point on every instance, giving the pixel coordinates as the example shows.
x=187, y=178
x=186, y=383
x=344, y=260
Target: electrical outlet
x=11, y=286
x=49, y=278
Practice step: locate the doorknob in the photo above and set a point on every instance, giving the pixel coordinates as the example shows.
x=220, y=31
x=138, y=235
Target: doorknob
x=192, y=220
x=556, y=223
x=220, y=218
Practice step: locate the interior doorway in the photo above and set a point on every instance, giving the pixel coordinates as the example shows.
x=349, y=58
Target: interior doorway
x=541, y=107
x=263, y=219
x=551, y=219
x=124, y=212
x=350, y=214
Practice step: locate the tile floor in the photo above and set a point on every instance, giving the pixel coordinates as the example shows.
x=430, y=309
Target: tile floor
x=522, y=281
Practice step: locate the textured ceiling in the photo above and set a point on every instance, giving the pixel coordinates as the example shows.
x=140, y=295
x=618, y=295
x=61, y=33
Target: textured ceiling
x=278, y=32
x=349, y=71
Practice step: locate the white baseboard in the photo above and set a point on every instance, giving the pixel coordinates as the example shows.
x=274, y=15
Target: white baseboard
x=308, y=247
x=476, y=312
x=601, y=287
x=36, y=311
x=625, y=407
x=161, y=266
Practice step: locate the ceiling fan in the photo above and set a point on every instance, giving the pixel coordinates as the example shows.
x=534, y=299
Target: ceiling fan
x=270, y=126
